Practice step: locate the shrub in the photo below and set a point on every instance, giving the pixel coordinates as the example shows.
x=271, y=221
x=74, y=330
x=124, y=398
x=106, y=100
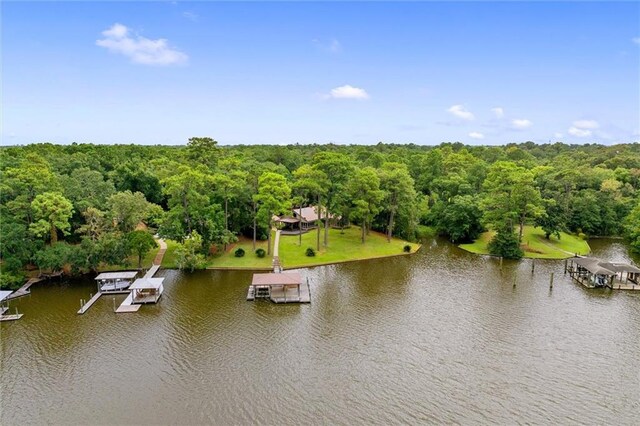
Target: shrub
x=310, y=252
x=260, y=252
x=407, y=248
x=239, y=252
x=582, y=236
x=505, y=244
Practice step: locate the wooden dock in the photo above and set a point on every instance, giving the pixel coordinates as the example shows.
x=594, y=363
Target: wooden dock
x=89, y=303
x=290, y=295
x=24, y=290
x=127, y=305
x=152, y=271
x=11, y=317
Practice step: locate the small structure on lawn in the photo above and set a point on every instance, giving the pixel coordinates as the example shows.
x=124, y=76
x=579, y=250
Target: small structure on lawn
x=592, y=272
x=146, y=290
x=115, y=282
x=285, y=287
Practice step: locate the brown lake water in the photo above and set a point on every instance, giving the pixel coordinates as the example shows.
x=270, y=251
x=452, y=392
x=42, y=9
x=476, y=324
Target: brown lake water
x=438, y=337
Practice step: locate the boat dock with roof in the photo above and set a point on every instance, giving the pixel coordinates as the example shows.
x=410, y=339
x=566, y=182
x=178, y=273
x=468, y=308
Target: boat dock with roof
x=594, y=273
x=285, y=287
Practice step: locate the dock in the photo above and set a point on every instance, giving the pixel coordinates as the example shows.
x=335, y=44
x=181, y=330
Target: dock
x=280, y=287
x=24, y=290
x=11, y=317
x=595, y=273
x=127, y=305
x=91, y=301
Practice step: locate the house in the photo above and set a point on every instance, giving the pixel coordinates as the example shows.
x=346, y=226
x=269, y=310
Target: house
x=303, y=218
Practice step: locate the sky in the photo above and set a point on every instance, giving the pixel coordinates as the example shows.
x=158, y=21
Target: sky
x=333, y=72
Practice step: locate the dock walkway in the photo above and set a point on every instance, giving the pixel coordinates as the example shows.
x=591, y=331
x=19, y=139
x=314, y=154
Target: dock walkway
x=127, y=305
x=24, y=290
x=89, y=303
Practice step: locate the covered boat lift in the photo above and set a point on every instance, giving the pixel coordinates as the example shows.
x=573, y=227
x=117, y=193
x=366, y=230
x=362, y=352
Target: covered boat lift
x=115, y=282
x=592, y=272
x=285, y=287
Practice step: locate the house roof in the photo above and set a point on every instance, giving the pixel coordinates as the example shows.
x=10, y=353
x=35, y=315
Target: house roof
x=593, y=265
x=122, y=275
x=620, y=267
x=287, y=219
x=285, y=278
x=310, y=213
x=4, y=294
x=142, y=283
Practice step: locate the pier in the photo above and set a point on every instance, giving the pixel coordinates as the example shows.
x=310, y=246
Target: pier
x=286, y=287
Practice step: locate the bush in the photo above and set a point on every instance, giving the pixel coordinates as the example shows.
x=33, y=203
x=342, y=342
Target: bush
x=239, y=252
x=310, y=252
x=505, y=244
x=582, y=236
x=407, y=248
x=260, y=252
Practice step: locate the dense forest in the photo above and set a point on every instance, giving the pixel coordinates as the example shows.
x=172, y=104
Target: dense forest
x=79, y=206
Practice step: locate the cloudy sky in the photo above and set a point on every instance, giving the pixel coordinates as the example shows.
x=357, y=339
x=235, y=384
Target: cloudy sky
x=242, y=73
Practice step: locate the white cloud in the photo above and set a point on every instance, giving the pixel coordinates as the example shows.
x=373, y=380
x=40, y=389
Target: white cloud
x=581, y=133
x=476, y=135
x=460, y=112
x=636, y=40
x=558, y=135
x=332, y=46
x=498, y=111
x=521, y=123
x=190, y=16
x=586, y=124
x=348, y=92
x=139, y=49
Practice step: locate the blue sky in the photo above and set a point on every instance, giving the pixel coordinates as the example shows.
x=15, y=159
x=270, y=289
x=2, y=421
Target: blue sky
x=243, y=73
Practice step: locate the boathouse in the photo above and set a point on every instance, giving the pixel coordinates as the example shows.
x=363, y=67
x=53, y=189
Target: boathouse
x=285, y=287
x=146, y=290
x=592, y=272
x=113, y=282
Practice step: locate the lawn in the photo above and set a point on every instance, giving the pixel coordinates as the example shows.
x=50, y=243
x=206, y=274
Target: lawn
x=535, y=245
x=248, y=261
x=147, y=262
x=169, y=259
x=343, y=247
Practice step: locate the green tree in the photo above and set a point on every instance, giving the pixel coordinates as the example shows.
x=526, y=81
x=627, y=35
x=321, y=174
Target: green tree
x=632, y=228
x=52, y=212
x=460, y=218
x=366, y=196
x=203, y=151
x=338, y=169
x=87, y=188
x=128, y=209
x=398, y=186
x=140, y=243
x=510, y=197
x=273, y=198
x=312, y=184
x=188, y=253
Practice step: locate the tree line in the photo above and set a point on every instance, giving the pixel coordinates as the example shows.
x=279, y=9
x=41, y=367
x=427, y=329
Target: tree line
x=82, y=205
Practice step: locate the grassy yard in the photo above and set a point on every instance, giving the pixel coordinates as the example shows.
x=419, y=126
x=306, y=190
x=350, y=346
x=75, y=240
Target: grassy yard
x=536, y=246
x=147, y=262
x=248, y=261
x=343, y=247
x=169, y=259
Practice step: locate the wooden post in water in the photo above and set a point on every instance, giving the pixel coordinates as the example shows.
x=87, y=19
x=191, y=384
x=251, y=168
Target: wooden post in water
x=551, y=282
x=566, y=262
x=533, y=265
x=114, y=303
x=514, y=281
x=501, y=263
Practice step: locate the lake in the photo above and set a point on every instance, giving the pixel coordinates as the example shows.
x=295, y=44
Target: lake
x=442, y=336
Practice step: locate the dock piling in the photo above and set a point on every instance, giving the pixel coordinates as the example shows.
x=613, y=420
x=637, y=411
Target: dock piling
x=551, y=281
x=533, y=265
x=515, y=277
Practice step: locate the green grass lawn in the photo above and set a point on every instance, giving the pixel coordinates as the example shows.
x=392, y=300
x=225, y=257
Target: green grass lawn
x=147, y=262
x=535, y=245
x=343, y=247
x=248, y=261
x=169, y=259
